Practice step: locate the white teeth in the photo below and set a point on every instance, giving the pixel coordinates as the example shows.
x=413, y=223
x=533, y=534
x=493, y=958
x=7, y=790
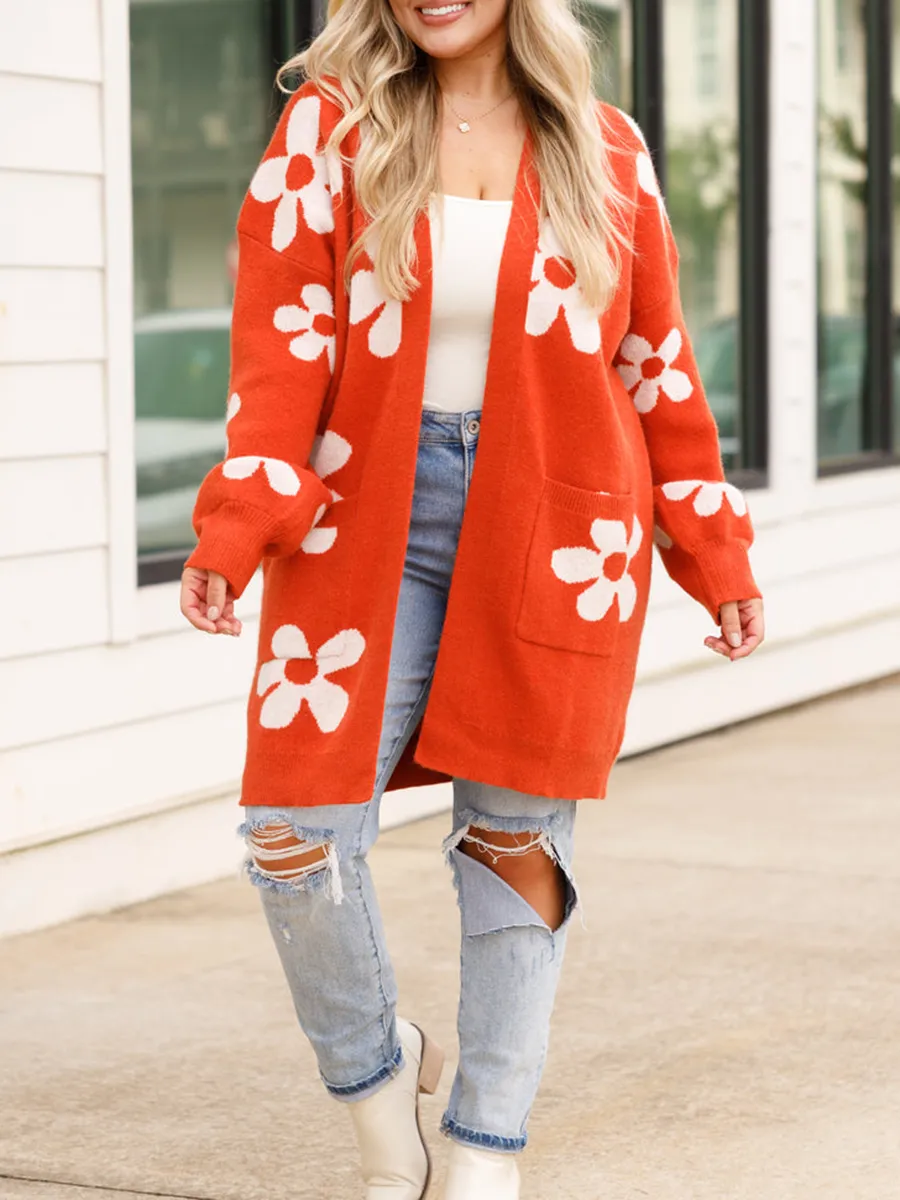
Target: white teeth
x=439, y=12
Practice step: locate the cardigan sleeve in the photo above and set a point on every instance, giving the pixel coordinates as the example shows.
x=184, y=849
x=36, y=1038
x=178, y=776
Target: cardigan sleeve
x=703, y=527
x=263, y=498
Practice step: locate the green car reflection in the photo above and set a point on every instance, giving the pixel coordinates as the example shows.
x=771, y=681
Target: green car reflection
x=181, y=380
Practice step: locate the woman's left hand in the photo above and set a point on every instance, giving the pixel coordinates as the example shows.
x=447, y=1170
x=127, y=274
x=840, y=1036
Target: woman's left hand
x=743, y=629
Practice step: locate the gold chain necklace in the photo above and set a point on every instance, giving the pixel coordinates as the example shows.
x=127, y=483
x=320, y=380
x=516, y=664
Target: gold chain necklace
x=463, y=125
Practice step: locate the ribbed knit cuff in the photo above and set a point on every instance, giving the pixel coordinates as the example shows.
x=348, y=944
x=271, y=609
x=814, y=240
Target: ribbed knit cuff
x=725, y=573
x=231, y=543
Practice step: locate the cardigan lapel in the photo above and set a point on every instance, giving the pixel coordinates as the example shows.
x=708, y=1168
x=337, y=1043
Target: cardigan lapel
x=513, y=285
x=502, y=391
x=511, y=296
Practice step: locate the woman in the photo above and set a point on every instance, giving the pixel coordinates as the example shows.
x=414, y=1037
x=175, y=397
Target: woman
x=451, y=249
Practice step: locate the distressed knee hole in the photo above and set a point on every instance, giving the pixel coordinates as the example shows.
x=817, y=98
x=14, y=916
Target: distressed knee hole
x=495, y=845
x=280, y=857
x=525, y=861
x=277, y=851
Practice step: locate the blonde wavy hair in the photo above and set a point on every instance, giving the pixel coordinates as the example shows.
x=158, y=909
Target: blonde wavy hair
x=392, y=93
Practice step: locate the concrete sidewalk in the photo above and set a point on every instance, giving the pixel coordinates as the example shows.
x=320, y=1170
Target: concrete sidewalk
x=728, y=1024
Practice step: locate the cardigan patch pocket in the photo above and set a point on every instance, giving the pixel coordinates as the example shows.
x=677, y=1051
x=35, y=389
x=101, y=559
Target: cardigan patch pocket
x=578, y=589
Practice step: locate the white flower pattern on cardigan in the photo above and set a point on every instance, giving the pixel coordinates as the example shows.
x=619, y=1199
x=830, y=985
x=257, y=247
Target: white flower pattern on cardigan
x=367, y=296
x=313, y=323
x=330, y=452
x=581, y=564
x=646, y=172
x=555, y=290
x=301, y=178
x=651, y=371
x=708, y=495
x=234, y=407
x=327, y=700
x=281, y=476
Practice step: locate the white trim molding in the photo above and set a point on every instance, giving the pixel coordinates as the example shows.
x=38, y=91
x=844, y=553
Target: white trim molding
x=120, y=473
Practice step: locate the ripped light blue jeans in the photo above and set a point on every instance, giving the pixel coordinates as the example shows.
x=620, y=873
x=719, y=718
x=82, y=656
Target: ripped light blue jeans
x=324, y=916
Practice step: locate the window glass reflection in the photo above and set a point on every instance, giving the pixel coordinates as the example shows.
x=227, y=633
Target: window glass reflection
x=201, y=101
x=842, y=220
x=610, y=22
x=701, y=156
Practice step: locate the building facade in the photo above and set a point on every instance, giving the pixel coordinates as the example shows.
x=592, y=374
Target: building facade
x=128, y=133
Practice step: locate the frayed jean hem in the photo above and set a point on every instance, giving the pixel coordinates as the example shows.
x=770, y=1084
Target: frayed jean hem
x=485, y=1141
x=370, y=1085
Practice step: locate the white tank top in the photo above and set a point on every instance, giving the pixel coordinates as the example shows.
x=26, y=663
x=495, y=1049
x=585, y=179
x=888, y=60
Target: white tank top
x=466, y=262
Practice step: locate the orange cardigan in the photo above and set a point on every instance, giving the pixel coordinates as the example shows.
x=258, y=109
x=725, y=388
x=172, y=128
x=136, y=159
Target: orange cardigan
x=596, y=440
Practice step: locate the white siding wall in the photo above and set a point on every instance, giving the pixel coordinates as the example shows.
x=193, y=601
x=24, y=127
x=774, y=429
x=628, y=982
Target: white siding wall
x=121, y=736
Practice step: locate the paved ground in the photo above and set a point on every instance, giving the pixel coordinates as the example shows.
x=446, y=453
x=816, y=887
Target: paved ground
x=729, y=1024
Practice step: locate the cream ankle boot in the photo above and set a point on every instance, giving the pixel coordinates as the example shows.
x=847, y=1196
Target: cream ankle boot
x=395, y=1162
x=476, y=1174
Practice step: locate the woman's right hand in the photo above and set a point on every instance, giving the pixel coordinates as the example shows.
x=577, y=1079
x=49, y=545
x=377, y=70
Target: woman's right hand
x=208, y=601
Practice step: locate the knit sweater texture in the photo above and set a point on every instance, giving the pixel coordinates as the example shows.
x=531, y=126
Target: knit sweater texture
x=596, y=442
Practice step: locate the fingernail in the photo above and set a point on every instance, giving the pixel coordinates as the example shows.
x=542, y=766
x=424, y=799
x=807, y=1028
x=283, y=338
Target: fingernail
x=734, y=639
x=212, y=613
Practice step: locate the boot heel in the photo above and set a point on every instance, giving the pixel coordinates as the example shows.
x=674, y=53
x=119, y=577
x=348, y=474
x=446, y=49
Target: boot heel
x=431, y=1066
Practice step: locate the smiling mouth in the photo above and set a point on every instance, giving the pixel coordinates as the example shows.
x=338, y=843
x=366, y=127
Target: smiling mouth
x=441, y=10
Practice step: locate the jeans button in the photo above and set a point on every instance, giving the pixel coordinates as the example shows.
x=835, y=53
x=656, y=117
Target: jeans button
x=473, y=425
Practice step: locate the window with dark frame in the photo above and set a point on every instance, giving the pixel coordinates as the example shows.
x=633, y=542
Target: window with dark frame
x=203, y=108
x=709, y=135
x=858, y=215
x=707, y=130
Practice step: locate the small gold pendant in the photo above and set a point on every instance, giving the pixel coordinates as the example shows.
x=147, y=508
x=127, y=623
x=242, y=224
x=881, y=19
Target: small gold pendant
x=463, y=126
